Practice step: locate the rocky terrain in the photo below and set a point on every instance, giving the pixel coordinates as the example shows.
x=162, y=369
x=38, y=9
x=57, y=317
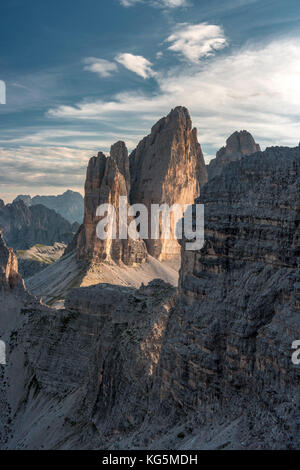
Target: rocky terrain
x=238, y=145
x=207, y=367
x=69, y=204
x=24, y=227
x=167, y=167
x=38, y=257
x=107, y=180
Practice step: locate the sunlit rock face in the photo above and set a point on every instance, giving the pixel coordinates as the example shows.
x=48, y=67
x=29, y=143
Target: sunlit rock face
x=167, y=167
x=238, y=145
x=107, y=180
x=9, y=275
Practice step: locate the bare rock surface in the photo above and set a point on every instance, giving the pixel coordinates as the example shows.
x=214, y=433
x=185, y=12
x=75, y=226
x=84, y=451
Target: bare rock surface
x=107, y=180
x=9, y=275
x=167, y=167
x=238, y=145
x=38, y=257
x=55, y=281
x=24, y=226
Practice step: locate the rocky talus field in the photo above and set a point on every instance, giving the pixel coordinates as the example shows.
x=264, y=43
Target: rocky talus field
x=206, y=364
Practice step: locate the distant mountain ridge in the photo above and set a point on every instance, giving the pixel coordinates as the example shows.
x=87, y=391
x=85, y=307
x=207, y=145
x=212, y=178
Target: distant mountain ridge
x=69, y=204
x=24, y=226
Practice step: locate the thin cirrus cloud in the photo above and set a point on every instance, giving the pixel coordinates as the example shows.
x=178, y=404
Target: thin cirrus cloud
x=102, y=67
x=157, y=3
x=196, y=41
x=137, y=64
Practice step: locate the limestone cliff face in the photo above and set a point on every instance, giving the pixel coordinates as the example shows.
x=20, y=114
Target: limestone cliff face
x=167, y=167
x=107, y=179
x=237, y=145
x=9, y=276
x=239, y=302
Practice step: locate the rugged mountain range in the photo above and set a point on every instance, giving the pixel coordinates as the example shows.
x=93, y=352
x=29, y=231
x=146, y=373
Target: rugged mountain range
x=238, y=145
x=166, y=167
x=206, y=367
x=69, y=204
x=24, y=227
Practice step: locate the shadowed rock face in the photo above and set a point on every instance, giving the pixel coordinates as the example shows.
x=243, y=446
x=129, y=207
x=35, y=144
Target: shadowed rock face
x=167, y=167
x=107, y=179
x=237, y=145
x=239, y=300
x=25, y=226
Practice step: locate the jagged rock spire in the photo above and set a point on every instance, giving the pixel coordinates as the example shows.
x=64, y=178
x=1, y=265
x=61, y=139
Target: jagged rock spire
x=107, y=179
x=9, y=275
x=167, y=167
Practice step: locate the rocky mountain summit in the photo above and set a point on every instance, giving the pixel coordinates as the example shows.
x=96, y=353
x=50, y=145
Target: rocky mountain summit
x=206, y=367
x=69, y=204
x=24, y=227
x=238, y=145
x=167, y=167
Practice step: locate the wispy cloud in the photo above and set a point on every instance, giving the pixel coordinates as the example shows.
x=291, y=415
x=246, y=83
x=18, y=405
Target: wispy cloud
x=137, y=64
x=102, y=67
x=195, y=41
x=157, y=3
x=226, y=94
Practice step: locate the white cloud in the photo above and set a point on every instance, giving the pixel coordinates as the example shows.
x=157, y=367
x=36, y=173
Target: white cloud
x=137, y=64
x=197, y=41
x=256, y=88
x=102, y=67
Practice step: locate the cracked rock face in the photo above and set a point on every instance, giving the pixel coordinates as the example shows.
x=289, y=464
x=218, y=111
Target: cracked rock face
x=239, y=299
x=238, y=145
x=107, y=179
x=167, y=167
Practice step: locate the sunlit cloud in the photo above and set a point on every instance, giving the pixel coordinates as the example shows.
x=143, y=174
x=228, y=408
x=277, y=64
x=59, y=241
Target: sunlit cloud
x=224, y=95
x=102, y=67
x=195, y=41
x=137, y=64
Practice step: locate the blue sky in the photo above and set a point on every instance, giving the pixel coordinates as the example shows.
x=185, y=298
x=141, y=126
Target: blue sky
x=81, y=75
